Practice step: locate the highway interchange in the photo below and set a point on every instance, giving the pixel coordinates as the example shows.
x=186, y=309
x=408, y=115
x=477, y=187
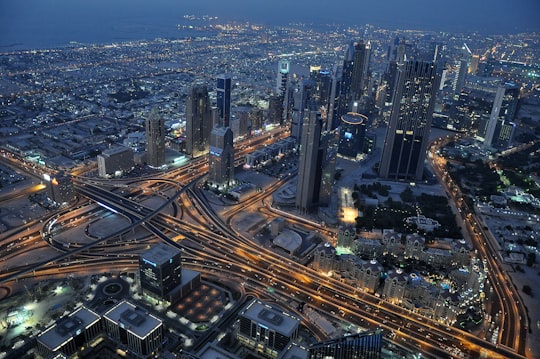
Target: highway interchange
x=187, y=220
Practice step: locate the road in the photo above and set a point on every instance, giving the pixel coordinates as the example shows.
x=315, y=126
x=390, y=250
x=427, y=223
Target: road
x=209, y=244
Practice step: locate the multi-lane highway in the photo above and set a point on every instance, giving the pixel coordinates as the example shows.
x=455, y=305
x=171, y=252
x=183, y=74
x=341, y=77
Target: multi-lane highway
x=186, y=220
x=508, y=308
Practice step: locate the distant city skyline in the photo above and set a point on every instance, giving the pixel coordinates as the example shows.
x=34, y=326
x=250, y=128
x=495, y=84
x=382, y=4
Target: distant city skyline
x=43, y=23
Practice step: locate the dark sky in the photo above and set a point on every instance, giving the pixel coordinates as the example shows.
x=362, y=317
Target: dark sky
x=26, y=21
x=493, y=16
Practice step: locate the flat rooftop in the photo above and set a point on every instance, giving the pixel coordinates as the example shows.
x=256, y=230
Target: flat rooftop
x=134, y=319
x=160, y=253
x=271, y=317
x=68, y=327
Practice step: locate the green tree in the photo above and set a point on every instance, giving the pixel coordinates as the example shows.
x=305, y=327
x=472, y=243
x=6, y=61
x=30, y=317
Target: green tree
x=407, y=195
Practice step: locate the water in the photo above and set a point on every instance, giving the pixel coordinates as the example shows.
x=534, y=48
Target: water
x=38, y=24
x=27, y=24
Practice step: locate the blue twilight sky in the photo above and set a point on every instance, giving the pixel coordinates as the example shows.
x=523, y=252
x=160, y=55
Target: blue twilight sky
x=55, y=21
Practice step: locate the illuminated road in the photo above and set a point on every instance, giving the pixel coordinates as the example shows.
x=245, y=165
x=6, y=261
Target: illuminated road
x=512, y=315
x=223, y=252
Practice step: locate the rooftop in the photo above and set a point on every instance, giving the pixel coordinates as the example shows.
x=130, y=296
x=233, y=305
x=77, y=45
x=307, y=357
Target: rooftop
x=68, y=327
x=134, y=319
x=160, y=253
x=271, y=317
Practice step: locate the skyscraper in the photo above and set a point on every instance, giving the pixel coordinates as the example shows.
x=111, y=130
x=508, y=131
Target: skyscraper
x=282, y=86
x=316, y=165
x=221, y=158
x=221, y=155
x=459, y=79
x=362, y=345
x=354, y=75
x=223, y=97
x=408, y=130
x=155, y=139
x=351, y=134
x=309, y=164
x=301, y=98
x=198, y=121
x=360, y=69
x=500, y=128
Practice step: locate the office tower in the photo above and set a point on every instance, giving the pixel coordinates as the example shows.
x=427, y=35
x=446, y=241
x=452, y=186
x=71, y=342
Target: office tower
x=155, y=139
x=60, y=188
x=328, y=150
x=333, y=102
x=366, y=345
x=322, y=87
x=160, y=270
x=473, y=66
x=408, y=130
x=223, y=97
x=266, y=329
x=221, y=154
x=221, y=157
x=359, y=79
x=397, y=55
x=139, y=332
x=344, y=85
x=504, y=135
x=316, y=165
x=301, y=98
x=500, y=127
x=351, y=134
x=309, y=164
x=459, y=79
x=69, y=333
x=115, y=161
x=436, y=50
x=354, y=76
x=275, y=110
x=198, y=121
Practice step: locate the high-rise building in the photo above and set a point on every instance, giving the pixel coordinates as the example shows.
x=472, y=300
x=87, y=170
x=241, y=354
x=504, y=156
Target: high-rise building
x=354, y=76
x=223, y=97
x=500, y=127
x=408, y=130
x=60, y=188
x=155, y=139
x=310, y=162
x=160, y=270
x=282, y=87
x=366, y=345
x=351, y=134
x=459, y=79
x=115, y=160
x=221, y=154
x=316, y=166
x=198, y=121
x=473, y=66
x=360, y=74
x=322, y=87
x=275, y=110
x=301, y=97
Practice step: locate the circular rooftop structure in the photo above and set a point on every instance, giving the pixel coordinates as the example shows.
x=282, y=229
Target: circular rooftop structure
x=353, y=118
